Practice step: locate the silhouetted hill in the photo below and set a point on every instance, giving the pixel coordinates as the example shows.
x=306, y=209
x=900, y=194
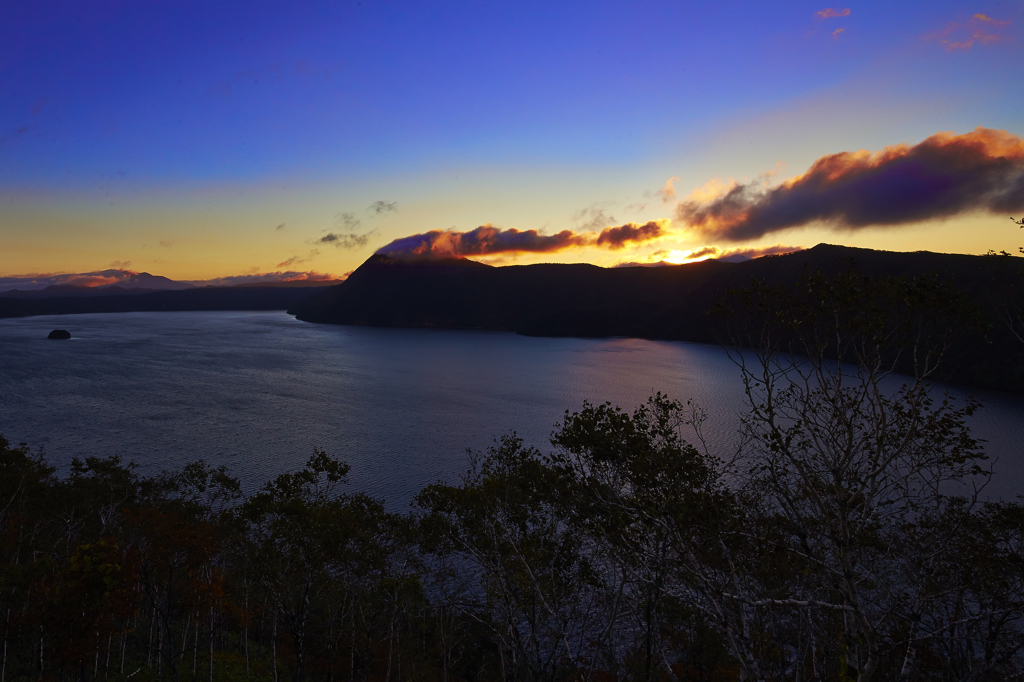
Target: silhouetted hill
x=205, y=298
x=668, y=303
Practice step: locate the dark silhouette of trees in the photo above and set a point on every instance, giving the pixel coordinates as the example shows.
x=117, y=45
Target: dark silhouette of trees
x=857, y=465
x=527, y=578
x=846, y=539
x=1014, y=308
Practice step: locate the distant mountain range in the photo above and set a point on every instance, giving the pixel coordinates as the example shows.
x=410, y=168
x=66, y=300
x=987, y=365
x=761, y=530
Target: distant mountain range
x=115, y=300
x=669, y=303
x=121, y=283
x=103, y=283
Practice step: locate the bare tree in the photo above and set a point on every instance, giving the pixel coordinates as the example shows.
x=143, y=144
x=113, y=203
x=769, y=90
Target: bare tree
x=852, y=459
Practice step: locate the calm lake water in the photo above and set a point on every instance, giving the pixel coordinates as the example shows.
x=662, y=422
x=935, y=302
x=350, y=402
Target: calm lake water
x=258, y=391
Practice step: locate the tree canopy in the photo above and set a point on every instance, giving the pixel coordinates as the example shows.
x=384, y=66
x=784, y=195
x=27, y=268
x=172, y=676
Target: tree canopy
x=845, y=539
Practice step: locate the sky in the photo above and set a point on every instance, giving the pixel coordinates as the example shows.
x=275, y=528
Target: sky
x=211, y=140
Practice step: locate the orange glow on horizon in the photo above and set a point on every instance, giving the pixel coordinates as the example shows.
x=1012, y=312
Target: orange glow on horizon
x=678, y=257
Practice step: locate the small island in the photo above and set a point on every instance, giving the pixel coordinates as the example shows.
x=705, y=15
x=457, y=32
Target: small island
x=59, y=334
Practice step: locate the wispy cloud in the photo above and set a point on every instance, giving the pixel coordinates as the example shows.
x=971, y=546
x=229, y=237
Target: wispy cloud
x=297, y=260
x=668, y=192
x=979, y=29
x=593, y=218
x=830, y=12
x=344, y=241
x=943, y=176
x=347, y=221
x=379, y=207
x=835, y=33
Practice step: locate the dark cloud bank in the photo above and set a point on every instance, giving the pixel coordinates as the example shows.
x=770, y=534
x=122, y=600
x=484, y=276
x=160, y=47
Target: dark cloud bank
x=943, y=176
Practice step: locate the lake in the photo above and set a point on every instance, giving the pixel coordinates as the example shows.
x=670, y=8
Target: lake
x=257, y=391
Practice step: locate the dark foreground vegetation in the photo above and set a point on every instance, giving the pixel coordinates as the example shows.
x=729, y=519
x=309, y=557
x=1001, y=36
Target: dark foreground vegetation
x=844, y=541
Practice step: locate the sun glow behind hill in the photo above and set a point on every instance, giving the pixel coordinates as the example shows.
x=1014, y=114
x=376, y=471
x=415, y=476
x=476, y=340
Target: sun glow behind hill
x=311, y=144
x=678, y=257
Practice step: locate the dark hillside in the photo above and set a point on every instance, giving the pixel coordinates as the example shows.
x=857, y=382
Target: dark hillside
x=669, y=303
x=207, y=298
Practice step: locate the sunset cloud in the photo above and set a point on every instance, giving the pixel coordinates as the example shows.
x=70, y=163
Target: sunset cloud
x=749, y=253
x=265, y=278
x=702, y=253
x=681, y=257
x=835, y=33
x=487, y=239
x=829, y=12
x=483, y=240
x=712, y=189
x=944, y=176
x=668, y=192
x=631, y=233
x=36, y=281
x=91, y=281
x=979, y=29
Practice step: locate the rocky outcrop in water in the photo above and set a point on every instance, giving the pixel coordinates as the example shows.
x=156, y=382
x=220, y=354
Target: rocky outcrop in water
x=59, y=334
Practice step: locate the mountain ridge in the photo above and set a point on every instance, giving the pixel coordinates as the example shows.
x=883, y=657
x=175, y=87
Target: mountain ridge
x=667, y=303
x=194, y=298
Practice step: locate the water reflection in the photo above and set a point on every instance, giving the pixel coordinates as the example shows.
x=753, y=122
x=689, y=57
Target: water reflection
x=258, y=391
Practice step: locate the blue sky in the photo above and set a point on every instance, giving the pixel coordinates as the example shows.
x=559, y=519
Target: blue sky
x=178, y=136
